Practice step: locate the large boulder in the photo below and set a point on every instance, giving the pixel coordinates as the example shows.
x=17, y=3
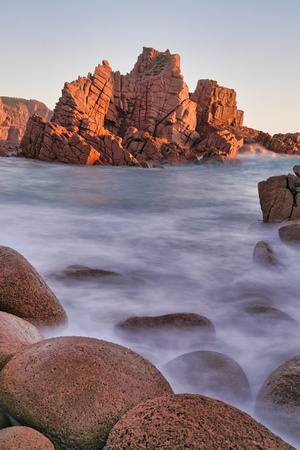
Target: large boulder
x=15, y=334
x=278, y=401
x=276, y=200
x=209, y=373
x=24, y=293
x=74, y=389
x=23, y=438
x=190, y=421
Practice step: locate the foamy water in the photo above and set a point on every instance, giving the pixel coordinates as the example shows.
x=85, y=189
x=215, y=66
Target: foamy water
x=183, y=238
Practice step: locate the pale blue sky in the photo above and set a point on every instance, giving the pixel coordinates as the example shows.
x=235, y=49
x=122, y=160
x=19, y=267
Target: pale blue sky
x=251, y=46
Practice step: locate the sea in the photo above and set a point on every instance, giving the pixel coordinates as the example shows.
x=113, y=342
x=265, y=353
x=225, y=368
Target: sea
x=182, y=239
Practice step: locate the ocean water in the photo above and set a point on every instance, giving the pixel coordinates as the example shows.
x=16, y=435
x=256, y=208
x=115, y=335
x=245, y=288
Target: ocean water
x=182, y=237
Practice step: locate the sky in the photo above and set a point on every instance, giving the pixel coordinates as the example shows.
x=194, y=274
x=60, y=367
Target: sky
x=251, y=46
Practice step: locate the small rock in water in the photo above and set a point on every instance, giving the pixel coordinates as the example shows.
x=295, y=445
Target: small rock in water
x=77, y=272
x=169, y=330
x=263, y=254
x=209, y=373
x=290, y=233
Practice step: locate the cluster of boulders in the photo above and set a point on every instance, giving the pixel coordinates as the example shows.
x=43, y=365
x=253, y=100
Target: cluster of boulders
x=83, y=393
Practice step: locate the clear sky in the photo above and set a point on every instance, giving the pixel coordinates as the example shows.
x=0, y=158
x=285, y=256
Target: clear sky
x=251, y=46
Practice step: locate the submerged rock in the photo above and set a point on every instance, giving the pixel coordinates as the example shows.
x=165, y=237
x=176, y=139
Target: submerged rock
x=263, y=254
x=278, y=401
x=24, y=293
x=210, y=373
x=190, y=421
x=74, y=389
x=169, y=330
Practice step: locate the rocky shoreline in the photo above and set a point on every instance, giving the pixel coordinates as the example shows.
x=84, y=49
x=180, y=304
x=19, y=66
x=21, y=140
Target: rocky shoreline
x=144, y=118
x=82, y=393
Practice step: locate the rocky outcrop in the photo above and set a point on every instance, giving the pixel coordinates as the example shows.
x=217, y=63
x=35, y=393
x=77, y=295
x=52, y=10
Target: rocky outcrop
x=219, y=147
x=216, y=106
x=190, y=421
x=140, y=118
x=14, y=115
x=74, y=389
x=279, y=197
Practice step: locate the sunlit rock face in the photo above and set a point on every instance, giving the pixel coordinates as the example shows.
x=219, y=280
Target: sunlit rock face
x=141, y=118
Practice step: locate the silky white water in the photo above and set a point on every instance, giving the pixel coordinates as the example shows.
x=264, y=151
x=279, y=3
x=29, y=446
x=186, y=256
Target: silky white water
x=182, y=236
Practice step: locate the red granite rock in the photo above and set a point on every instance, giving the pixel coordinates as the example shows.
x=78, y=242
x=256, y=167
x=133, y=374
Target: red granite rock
x=290, y=233
x=24, y=293
x=219, y=147
x=216, y=105
x=276, y=200
x=190, y=421
x=263, y=254
x=74, y=389
x=18, y=437
x=15, y=334
x=14, y=114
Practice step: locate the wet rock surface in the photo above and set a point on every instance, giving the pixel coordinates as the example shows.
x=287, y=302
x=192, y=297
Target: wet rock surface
x=209, y=373
x=278, y=401
x=263, y=254
x=84, y=386
x=169, y=330
x=190, y=421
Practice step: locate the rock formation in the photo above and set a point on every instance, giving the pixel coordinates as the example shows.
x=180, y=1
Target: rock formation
x=142, y=118
x=279, y=197
x=14, y=115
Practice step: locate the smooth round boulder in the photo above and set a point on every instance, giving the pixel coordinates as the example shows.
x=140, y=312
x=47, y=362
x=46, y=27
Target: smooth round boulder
x=290, y=234
x=168, y=330
x=15, y=334
x=24, y=293
x=209, y=373
x=23, y=438
x=190, y=421
x=263, y=254
x=278, y=400
x=74, y=389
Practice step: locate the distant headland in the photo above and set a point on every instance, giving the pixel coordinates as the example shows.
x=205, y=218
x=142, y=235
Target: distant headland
x=145, y=118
